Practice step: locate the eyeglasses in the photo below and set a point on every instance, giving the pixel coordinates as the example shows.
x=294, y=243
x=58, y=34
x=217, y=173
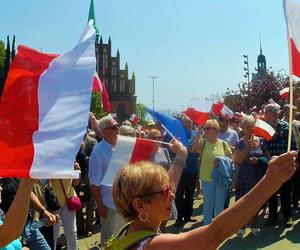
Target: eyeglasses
x=113, y=127
x=166, y=191
x=208, y=128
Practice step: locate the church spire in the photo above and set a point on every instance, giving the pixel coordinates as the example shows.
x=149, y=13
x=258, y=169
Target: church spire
x=261, y=62
x=260, y=44
x=92, y=16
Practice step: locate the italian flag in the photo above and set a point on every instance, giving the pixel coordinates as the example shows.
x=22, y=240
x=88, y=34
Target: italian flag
x=44, y=110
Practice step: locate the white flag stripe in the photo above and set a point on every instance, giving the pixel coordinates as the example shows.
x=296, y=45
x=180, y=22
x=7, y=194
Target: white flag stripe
x=121, y=155
x=64, y=101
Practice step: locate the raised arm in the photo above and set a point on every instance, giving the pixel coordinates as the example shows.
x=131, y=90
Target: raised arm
x=280, y=169
x=16, y=216
x=178, y=163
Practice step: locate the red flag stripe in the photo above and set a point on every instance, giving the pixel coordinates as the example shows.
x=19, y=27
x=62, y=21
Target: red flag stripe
x=262, y=133
x=142, y=150
x=21, y=95
x=295, y=59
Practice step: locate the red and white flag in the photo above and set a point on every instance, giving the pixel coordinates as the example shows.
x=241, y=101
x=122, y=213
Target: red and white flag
x=99, y=87
x=199, y=110
x=292, y=17
x=263, y=130
x=134, y=118
x=127, y=150
x=44, y=110
x=284, y=93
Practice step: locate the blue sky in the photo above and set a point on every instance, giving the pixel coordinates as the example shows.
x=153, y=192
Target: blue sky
x=195, y=47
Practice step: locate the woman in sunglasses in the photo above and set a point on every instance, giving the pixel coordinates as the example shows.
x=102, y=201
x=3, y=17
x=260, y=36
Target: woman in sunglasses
x=142, y=194
x=209, y=147
x=12, y=225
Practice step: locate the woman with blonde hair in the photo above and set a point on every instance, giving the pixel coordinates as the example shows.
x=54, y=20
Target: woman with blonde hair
x=209, y=147
x=142, y=194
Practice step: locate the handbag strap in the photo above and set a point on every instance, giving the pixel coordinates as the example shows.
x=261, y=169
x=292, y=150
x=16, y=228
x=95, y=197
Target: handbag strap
x=62, y=186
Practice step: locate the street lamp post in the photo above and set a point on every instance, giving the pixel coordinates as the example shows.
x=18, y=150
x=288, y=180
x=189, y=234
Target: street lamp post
x=246, y=68
x=153, y=78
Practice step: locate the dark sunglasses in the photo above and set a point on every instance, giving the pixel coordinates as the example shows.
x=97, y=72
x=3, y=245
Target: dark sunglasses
x=208, y=128
x=166, y=191
x=113, y=127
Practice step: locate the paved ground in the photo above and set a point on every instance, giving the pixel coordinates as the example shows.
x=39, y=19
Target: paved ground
x=277, y=238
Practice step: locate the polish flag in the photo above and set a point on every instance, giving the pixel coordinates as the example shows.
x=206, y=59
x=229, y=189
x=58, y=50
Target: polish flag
x=127, y=150
x=263, y=130
x=99, y=87
x=217, y=108
x=225, y=111
x=199, y=111
x=44, y=110
x=284, y=93
x=134, y=118
x=292, y=17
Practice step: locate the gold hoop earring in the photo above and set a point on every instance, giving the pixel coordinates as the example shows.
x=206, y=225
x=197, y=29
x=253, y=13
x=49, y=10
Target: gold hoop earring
x=143, y=217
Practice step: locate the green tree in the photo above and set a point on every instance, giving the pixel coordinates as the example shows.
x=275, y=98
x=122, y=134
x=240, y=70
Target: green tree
x=257, y=92
x=141, y=113
x=2, y=60
x=96, y=105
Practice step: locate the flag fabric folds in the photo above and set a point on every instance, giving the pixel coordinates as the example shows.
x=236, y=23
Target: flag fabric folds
x=199, y=110
x=134, y=118
x=284, y=93
x=127, y=150
x=292, y=17
x=98, y=86
x=263, y=130
x=172, y=124
x=44, y=110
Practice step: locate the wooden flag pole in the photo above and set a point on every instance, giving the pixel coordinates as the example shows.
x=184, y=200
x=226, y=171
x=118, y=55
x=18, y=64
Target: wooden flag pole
x=290, y=114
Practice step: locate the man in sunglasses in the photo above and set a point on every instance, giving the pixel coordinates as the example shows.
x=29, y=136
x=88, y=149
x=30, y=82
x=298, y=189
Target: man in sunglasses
x=99, y=161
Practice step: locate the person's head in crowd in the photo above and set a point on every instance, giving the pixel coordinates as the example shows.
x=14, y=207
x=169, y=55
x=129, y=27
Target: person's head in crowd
x=109, y=129
x=150, y=125
x=297, y=103
x=127, y=130
x=235, y=122
x=271, y=114
x=142, y=192
x=127, y=122
x=223, y=123
x=187, y=123
x=211, y=130
x=155, y=134
x=142, y=134
x=286, y=112
x=247, y=125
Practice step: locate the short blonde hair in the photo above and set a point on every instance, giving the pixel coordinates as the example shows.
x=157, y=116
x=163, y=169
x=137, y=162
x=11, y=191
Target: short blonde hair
x=134, y=180
x=212, y=123
x=154, y=133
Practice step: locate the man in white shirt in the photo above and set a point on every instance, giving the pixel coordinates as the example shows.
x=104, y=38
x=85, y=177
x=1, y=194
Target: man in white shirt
x=227, y=134
x=99, y=161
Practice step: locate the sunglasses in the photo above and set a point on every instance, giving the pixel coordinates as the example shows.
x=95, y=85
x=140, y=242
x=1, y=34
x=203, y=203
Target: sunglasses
x=115, y=127
x=166, y=191
x=208, y=128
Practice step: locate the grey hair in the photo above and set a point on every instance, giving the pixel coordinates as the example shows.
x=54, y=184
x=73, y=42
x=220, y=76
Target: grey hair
x=248, y=119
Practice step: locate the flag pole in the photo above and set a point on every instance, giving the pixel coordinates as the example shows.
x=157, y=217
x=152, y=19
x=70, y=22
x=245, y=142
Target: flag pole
x=290, y=80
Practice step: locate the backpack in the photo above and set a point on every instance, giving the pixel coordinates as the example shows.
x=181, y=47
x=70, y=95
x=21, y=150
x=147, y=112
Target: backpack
x=117, y=242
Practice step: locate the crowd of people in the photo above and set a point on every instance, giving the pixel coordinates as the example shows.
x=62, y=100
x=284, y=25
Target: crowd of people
x=222, y=158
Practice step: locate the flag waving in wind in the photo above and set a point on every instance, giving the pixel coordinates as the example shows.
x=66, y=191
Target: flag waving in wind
x=99, y=87
x=44, y=110
x=172, y=124
x=292, y=17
